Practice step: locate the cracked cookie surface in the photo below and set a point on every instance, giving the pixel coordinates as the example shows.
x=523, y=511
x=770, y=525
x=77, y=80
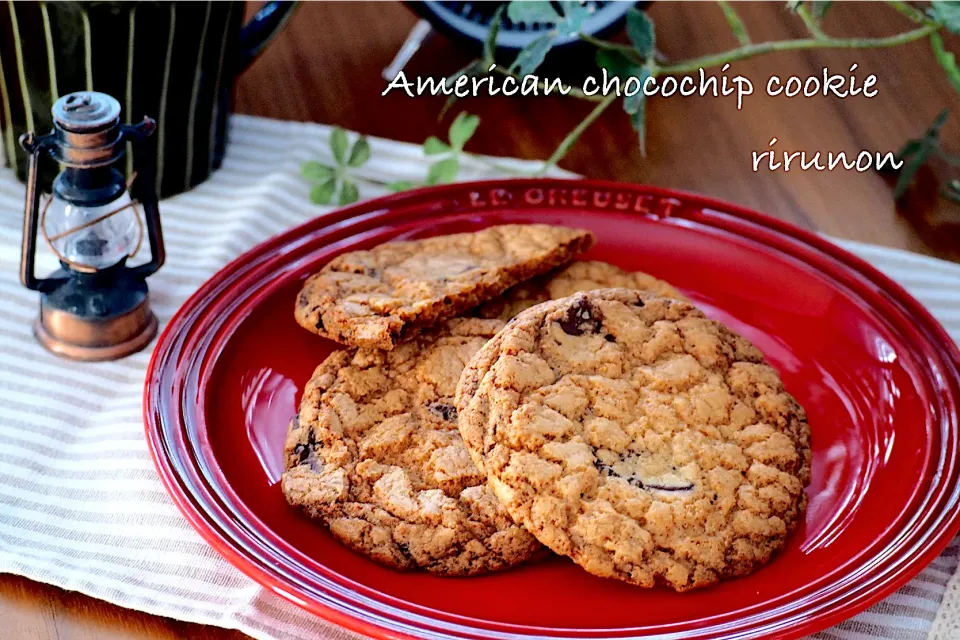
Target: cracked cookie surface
x=387, y=295
x=375, y=453
x=585, y=275
x=636, y=436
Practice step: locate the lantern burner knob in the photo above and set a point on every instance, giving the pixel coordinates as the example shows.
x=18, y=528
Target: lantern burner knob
x=77, y=102
x=86, y=111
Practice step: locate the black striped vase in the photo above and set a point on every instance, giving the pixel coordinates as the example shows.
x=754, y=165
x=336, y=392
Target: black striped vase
x=173, y=61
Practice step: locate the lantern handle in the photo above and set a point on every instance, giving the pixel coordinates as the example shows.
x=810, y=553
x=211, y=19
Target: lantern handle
x=142, y=189
x=33, y=145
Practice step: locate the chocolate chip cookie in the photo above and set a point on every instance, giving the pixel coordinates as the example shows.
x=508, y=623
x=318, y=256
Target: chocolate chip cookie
x=565, y=281
x=375, y=453
x=382, y=297
x=636, y=436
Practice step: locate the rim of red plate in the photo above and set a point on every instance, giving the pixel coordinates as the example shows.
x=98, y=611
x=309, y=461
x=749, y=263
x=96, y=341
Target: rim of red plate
x=184, y=478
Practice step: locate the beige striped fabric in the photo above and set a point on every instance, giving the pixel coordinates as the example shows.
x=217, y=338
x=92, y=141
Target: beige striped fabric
x=81, y=506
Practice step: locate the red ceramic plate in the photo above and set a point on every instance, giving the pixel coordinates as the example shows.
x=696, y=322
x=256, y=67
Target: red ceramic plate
x=877, y=375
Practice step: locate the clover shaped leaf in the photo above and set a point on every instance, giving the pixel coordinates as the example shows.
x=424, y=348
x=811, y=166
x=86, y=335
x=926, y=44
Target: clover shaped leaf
x=335, y=181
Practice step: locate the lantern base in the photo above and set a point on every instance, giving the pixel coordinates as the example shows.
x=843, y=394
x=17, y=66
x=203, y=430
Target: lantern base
x=95, y=339
x=104, y=315
x=83, y=353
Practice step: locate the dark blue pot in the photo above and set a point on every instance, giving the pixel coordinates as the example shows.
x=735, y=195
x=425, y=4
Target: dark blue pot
x=173, y=61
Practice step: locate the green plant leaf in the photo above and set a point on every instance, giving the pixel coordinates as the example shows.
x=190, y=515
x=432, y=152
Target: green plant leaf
x=793, y=5
x=919, y=154
x=639, y=122
x=360, y=152
x=533, y=55
x=641, y=32
x=348, y=192
x=933, y=132
x=400, y=185
x=323, y=192
x=532, y=11
x=617, y=64
x=490, y=44
x=316, y=172
x=820, y=8
x=632, y=104
x=909, y=170
x=444, y=171
x=910, y=148
x=636, y=107
x=462, y=129
x=338, y=145
x=947, y=60
x=947, y=14
x=434, y=145
x=574, y=13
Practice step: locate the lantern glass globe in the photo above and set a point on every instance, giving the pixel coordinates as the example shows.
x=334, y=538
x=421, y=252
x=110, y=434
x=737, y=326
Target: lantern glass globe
x=100, y=245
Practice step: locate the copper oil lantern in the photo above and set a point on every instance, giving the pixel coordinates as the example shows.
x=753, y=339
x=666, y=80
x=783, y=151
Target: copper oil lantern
x=95, y=306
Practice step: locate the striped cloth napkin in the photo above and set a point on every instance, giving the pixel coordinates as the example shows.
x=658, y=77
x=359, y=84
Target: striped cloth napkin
x=81, y=506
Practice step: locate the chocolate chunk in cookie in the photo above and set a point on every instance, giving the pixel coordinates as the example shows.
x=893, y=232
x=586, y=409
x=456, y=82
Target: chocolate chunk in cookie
x=375, y=453
x=385, y=296
x=581, y=317
x=643, y=440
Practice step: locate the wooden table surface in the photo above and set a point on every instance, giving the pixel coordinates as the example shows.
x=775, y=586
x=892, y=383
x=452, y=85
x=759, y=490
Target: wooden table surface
x=325, y=67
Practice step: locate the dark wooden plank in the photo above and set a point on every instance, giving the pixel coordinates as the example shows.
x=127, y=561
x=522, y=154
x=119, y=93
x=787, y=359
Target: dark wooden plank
x=35, y=611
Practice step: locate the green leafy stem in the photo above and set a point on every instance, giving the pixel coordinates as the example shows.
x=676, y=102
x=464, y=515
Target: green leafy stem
x=921, y=151
x=641, y=59
x=328, y=181
x=337, y=183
